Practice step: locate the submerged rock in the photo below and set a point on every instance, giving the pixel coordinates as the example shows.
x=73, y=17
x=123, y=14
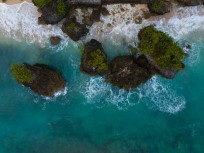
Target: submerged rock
x=55, y=40
x=127, y=72
x=159, y=7
x=74, y=29
x=52, y=11
x=94, y=59
x=40, y=78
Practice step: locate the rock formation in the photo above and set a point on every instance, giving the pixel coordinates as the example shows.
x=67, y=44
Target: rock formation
x=40, y=78
x=94, y=59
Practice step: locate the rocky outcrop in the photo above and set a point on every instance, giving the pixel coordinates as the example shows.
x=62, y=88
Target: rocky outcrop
x=159, y=7
x=94, y=59
x=43, y=79
x=52, y=11
x=190, y=2
x=55, y=40
x=127, y=72
x=74, y=29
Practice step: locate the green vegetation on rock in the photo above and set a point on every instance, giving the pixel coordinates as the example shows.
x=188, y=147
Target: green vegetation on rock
x=157, y=4
x=98, y=60
x=61, y=7
x=72, y=25
x=164, y=51
x=41, y=3
x=21, y=73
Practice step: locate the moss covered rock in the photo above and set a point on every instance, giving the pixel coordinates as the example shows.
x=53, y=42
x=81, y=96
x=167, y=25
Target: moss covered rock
x=159, y=7
x=74, y=29
x=161, y=49
x=40, y=78
x=53, y=11
x=94, y=60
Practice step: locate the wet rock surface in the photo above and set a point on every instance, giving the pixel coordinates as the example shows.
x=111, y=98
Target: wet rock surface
x=94, y=59
x=53, y=12
x=55, y=40
x=191, y=2
x=46, y=80
x=159, y=7
x=127, y=72
x=74, y=29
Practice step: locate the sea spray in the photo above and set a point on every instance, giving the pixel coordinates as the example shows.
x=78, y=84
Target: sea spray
x=20, y=22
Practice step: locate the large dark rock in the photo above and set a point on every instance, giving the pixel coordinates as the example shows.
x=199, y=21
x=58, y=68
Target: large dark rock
x=46, y=81
x=159, y=7
x=127, y=72
x=74, y=29
x=94, y=59
x=53, y=12
x=191, y=2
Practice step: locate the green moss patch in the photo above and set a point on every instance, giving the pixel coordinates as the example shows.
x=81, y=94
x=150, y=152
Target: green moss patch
x=165, y=52
x=61, y=7
x=41, y=3
x=157, y=5
x=72, y=25
x=21, y=73
x=98, y=60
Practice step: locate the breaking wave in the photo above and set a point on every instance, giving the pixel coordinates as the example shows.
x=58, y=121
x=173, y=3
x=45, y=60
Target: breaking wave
x=155, y=94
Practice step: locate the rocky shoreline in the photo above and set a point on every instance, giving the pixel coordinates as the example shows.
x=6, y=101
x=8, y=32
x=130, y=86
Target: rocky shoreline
x=129, y=71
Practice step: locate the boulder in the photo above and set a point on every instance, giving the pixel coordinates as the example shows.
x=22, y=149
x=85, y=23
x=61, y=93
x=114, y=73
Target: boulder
x=52, y=11
x=127, y=72
x=159, y=7
x=40, y=78
x=74, y=29
x=55, y=40
x=94, y=59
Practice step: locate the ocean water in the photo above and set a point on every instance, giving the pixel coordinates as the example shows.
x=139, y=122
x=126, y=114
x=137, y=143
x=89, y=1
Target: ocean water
x=161, y=116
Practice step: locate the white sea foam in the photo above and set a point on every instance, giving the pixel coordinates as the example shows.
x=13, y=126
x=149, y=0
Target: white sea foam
x=156, y=95
x=20, y=21
x=162, y=96
x=120, y=25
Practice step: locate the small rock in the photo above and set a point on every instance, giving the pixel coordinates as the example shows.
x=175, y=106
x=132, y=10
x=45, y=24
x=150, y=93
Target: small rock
x=55, y=40
x=74, y=29
x=104, y=11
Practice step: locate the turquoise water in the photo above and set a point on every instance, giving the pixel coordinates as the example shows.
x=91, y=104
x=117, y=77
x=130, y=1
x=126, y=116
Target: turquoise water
x=162, y=116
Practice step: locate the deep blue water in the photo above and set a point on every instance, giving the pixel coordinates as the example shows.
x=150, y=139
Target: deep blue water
x=162, y=116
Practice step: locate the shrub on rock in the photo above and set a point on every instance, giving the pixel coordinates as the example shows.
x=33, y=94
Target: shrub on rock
x=40, y=78
x=94, y=60
x=161, y=48
x=21, y=73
